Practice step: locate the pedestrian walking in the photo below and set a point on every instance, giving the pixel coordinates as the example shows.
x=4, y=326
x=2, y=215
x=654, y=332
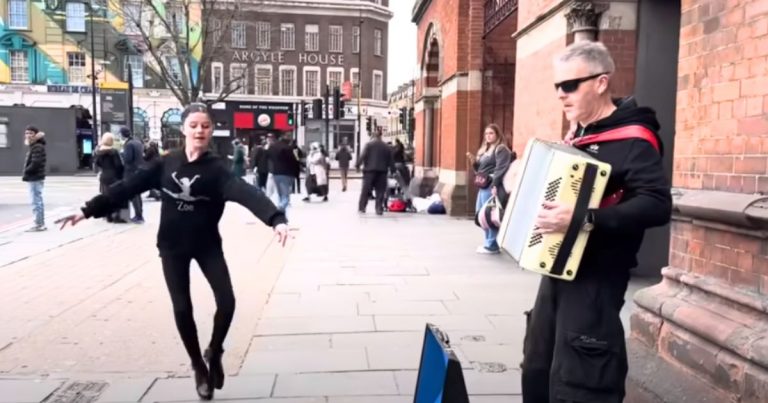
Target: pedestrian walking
x=282, y=164
x=133, y=155
x=299, y=155
x=377, y=161
x=111, y=171
x=197, y=185
x=317, y=173
x=34, y=174
x=343, y=156
x=490, y=164
x=238, y=158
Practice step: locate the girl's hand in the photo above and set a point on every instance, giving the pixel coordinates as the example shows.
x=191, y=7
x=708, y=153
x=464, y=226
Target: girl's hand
x=73, y=219
x=281, y=230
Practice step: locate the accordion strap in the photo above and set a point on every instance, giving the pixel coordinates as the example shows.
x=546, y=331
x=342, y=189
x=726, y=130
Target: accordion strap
x=579, y=214
x=621, y=133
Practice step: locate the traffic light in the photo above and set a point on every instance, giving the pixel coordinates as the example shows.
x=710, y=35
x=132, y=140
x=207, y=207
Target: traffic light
x=304, y=113
x=342, y=105
x=368, y=126
x=403, y=118
x=317, y=108
x=290, y=119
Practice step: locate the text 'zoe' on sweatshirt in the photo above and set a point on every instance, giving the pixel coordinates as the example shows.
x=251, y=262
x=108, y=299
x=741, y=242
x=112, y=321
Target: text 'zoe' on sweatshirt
x=193, y=198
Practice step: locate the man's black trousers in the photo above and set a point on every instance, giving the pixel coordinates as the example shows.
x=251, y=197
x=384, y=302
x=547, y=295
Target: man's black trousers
x=574, y=349
x=376, y=180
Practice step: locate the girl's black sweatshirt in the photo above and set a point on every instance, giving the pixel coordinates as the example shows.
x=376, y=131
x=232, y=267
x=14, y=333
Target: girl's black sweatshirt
x=193, y=198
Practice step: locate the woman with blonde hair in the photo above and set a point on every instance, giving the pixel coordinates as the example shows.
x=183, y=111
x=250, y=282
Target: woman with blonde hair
x=490, y=165
x=111, y=166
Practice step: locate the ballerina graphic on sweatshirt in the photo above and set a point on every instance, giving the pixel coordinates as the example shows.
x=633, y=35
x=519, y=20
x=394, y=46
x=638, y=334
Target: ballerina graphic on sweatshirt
x=185, y=184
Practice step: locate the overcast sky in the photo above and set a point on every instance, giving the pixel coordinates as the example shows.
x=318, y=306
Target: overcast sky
x=402, y=44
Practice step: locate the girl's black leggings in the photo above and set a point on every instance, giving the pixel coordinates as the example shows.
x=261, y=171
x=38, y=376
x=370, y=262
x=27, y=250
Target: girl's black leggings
x=214, y=267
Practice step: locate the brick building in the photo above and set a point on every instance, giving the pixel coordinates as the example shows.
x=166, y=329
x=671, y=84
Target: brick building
x=400, y=114
x=701, y=64
x=287, y=52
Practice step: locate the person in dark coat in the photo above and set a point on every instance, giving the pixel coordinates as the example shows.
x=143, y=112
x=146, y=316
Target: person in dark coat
x=238, y=158
x=151, y=153
x=400, y=166
x=34, y=174
x=133, y=155
x=343, y=156
x=111, y=166
x=377, y=161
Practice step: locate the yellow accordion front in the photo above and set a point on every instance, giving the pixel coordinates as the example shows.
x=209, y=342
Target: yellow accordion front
x=556, y=173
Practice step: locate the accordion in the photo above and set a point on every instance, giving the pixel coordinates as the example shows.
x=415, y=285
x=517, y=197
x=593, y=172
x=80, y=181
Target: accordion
x=556, y=173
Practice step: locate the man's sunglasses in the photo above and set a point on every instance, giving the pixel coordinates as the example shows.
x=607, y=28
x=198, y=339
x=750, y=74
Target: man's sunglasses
x=569, y=86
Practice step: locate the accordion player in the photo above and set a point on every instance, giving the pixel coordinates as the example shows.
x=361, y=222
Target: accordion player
x=556, y=173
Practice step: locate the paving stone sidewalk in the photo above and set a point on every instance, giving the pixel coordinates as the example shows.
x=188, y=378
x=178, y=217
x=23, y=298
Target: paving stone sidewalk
x=337, y=317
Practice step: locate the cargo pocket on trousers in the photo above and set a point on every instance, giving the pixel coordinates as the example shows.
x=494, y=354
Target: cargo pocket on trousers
x=592, y=363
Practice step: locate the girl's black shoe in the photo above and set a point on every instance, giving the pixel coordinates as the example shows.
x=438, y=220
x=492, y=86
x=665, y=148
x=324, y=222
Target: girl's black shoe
x=213, y=358
x=203, y=383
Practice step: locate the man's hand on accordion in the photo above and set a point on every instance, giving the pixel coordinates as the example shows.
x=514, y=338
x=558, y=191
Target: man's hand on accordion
x=554, y=218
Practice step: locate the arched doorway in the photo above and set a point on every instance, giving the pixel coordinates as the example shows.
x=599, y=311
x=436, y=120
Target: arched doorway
x=140, y=124
x=431, y=77
x=170, y=126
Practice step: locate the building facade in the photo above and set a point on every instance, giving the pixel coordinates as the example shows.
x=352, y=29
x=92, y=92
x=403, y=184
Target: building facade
x=50, y=49
x=292, y=52
x=400, y=122
x=698, y=334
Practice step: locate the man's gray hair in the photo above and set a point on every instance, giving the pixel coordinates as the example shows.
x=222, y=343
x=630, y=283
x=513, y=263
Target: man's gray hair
x=594, y=54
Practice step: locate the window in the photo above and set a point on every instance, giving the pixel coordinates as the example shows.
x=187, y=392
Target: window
x=238, y=34
x=132, y=10
x=312, y=38
x=378, y=85
x=288, y=80
x=216, y=30
x=377, y=42
x=355, y=39
x=4, y=135
x=76, y=67
x=177, y=19
x=19, y=66
x=335, y=77
x=174, y=68
x=18, y=14
x=75, y=17
x=287, y=36
x=133, y=67
x=263, y=80
x=263, y=34
x=336, y=35
x=238, y=78
x=354, y=75
x=217, y=78
x=311, y=81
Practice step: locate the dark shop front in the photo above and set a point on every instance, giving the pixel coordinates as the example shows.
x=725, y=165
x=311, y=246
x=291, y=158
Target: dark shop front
x=250, y=122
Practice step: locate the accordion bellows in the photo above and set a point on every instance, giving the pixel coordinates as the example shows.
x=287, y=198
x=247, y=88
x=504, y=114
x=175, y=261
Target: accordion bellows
x=556, y=173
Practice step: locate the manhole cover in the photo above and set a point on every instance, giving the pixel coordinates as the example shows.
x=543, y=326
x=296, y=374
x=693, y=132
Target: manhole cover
x=490, y=367
x=78, y=392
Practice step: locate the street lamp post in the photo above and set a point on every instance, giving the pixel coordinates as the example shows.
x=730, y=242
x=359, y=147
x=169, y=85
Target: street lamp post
x=95, y=130
x=359, y=87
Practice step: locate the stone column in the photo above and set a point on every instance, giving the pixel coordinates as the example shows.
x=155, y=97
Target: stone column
x=429, y=134
x=583, y=19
